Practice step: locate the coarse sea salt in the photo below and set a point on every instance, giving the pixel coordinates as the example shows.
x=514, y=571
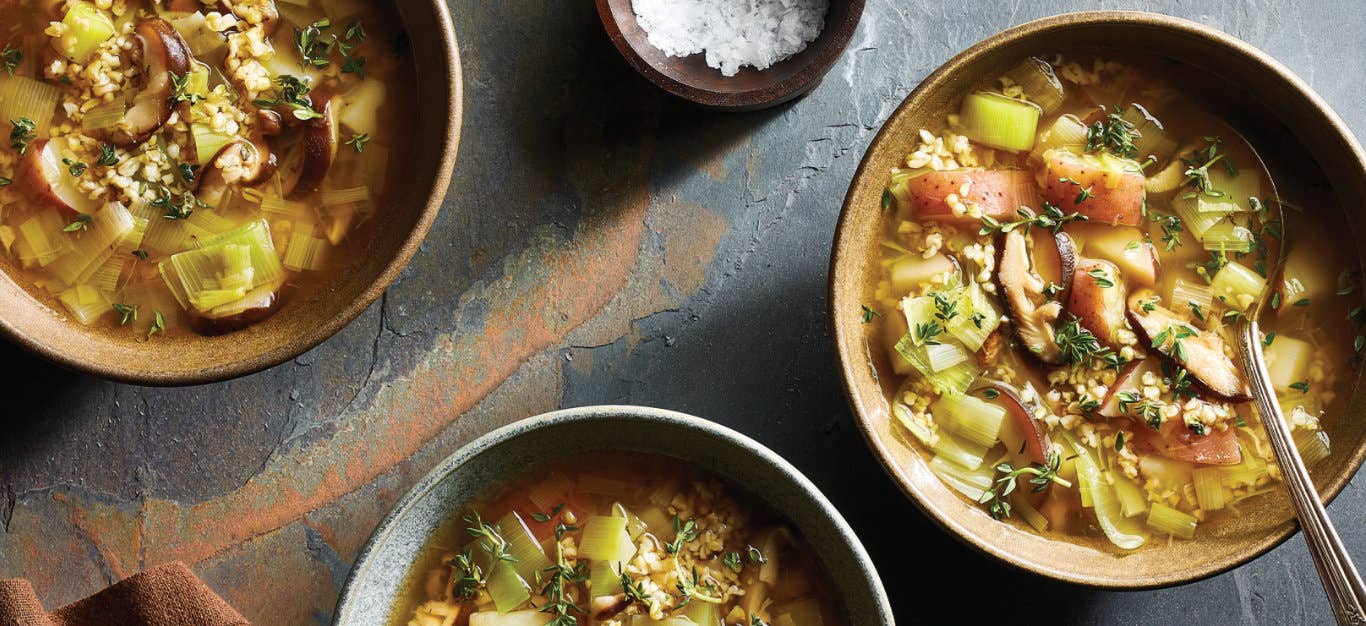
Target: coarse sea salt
x=733, y=33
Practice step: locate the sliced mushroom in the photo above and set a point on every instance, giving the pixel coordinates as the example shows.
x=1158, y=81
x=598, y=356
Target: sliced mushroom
x=311, y=158
x=43, y=177
x=240, y=163
x=1032, y=312
x=1203, y=351
x=1035, y=442
x=164, y=53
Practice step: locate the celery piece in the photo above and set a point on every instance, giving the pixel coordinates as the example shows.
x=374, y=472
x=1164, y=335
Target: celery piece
x=92, y=246
x=955, y=380
x=361, y=106
x=805, y=612
x=1186, y=296
x=86, y=27
x=707, y=613
x=1038, y=84
x=1230, y=194
x=107, y=115
x=1120, y=530
x=1000, y=122
x=203, y=278
x=1312, y=444
x=305, y=252
x=1228, y=237
x=1196, y=221
x=24, y=97
x=506, y=588
x=1165, y=519
x=604, y=578
x=1246, y=473
x=605, y=539
x=1152, y=138
x=86, y=303
x=41, y=240
x=333, y=197
x=1287, y=361
x=912, y=271
x=970, y=483
x=922, y=431
x=208, y=143
x=1020, y=503
x=1066, y=132
x=977, y=318
x=1237, y=286
x=963, y=453
x=1209, y=488
x=522, y=545
x=943, y=356
x=975, y=420
x=527, y=617
x=1132, y=501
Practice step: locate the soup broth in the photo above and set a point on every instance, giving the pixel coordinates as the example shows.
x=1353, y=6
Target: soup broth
x=178, y=167
x=1061, y=269
x=617, y=540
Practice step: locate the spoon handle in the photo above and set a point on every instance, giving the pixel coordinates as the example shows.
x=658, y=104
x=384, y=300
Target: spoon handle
x=1346, y=592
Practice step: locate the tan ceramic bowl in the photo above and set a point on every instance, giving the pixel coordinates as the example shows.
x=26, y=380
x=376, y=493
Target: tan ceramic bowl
x=1274, y=107
x=306, y=321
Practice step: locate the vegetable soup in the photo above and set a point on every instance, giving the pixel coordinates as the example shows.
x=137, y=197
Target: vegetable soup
x=617, y=539
x=1061, y=267
x=186, y=166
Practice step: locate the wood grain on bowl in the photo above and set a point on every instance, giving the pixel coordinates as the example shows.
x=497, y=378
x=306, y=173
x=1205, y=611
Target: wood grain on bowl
x=691, y=79
x=1310, y=144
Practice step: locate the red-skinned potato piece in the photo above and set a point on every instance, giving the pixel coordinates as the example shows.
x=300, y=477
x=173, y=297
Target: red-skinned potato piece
x=999, y=193
x=1097, y=299
x=164, y=53
x=1203, y=351
x=1176, y=441
x=44, y=179
x=307, y=167
x=1035, y=446
x=1129, y=379
x=1115, y=195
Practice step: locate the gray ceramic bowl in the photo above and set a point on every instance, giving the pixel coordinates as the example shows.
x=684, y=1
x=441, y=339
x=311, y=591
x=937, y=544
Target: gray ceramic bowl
x=374, y=584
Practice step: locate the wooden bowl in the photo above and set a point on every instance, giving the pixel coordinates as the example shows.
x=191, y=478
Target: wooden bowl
x=690, y=78
x=303, y=322
x=1279, y=113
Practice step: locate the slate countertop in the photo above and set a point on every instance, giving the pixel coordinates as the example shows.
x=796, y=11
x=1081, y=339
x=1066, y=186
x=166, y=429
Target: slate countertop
x=601, y=243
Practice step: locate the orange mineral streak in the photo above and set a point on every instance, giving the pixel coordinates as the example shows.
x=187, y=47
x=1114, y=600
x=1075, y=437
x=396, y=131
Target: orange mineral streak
x=546, y=294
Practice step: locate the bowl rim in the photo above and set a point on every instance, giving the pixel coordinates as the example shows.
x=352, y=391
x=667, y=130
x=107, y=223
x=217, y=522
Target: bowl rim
x=840, y=256
x=792, y=87
x=588, y=414
x=300, y=344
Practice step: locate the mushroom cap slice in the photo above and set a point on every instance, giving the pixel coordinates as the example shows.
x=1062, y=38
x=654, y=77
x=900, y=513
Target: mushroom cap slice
x=308, y=163
x=44, y=179
x=1203, y=351
x=1097, y=299
x=164, y=52
x=1023, y=292
x=242, y=163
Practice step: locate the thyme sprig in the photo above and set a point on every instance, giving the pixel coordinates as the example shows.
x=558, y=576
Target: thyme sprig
x=1051, y=218
x=1040, y=476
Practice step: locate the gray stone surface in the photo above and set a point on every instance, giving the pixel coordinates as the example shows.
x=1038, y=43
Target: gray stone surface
x=698, y=284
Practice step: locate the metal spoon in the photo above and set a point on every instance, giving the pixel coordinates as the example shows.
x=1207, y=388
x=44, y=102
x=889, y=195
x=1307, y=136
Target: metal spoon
x=1341, y=581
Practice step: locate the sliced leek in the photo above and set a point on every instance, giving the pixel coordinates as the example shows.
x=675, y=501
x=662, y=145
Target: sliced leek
x=975, y=420
x=1165, y=519
x=998, y=121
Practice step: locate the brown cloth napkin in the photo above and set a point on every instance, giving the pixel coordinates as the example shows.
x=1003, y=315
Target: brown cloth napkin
x=168, y=595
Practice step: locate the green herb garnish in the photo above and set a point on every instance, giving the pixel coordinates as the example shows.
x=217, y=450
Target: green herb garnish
x=22, y=133
x=82, y=222
x=1041, y=475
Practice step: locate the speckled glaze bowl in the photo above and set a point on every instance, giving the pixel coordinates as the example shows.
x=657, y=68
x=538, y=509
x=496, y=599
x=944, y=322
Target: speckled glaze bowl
x=1301, y=139
x=374, y=585
x=44, y=328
